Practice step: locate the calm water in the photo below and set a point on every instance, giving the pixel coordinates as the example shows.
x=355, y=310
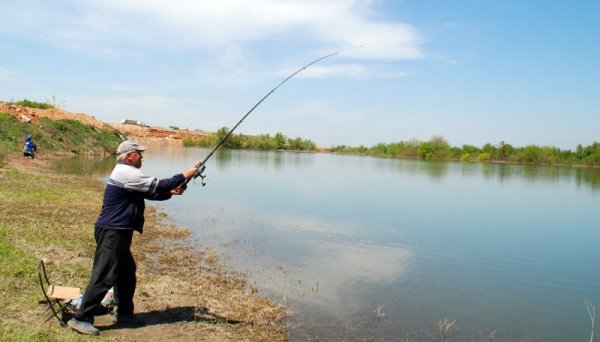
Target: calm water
x=507, y=251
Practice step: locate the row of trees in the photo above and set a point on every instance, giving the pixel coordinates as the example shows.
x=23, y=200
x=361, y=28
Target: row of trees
x=254, y=142
x=437, y=148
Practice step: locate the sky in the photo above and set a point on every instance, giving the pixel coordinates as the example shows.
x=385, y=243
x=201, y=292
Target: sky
x=472, y=71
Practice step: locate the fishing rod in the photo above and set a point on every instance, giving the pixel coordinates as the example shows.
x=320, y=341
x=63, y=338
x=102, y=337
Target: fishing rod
x=201, y=166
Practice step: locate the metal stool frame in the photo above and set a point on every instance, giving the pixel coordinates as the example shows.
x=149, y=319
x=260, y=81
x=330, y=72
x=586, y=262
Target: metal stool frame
x=56, y=296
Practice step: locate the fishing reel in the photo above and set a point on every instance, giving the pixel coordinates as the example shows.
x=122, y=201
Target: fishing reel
x=199, y=174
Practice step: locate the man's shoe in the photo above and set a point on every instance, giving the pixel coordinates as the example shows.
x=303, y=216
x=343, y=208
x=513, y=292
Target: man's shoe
x=83, y=327
x=132, y=320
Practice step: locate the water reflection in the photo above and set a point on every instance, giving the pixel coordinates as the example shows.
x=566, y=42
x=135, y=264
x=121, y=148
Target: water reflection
x=583, y=177
x=434, y=169
x=536, y=174
x=85, y=165
x=502, y=172
x=334, y=268
x=319, y=263
x=226, y=159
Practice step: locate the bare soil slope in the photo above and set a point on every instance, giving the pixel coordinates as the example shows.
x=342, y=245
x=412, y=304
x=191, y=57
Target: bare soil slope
x=26, y=114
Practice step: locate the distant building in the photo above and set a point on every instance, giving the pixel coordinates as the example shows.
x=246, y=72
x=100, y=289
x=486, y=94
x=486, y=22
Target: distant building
x=175, y=128
x=133, y=122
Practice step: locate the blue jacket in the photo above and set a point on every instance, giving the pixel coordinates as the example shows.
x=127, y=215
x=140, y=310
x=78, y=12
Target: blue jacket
x=29, y=146
x=127, y=187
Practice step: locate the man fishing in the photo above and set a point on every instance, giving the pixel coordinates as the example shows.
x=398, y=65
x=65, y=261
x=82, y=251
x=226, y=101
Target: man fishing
x=122, y=214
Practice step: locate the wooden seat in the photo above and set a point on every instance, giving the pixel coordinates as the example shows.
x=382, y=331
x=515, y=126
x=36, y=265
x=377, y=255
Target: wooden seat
x=55, y=296
x=62, y=292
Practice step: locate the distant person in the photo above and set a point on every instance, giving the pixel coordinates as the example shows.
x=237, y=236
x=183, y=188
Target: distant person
x=29, y=148
x=122, y=214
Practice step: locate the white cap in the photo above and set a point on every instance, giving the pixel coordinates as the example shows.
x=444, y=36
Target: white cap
x=129, y=146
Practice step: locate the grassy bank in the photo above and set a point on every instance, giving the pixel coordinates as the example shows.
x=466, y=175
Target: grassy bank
x=182, y=294
x=53, y=136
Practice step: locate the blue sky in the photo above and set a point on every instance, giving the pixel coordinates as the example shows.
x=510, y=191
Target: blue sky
x=472, y=71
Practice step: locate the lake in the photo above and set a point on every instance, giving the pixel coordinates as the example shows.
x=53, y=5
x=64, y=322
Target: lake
x=363, y=248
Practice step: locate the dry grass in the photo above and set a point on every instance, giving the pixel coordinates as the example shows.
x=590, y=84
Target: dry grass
x=183, y=293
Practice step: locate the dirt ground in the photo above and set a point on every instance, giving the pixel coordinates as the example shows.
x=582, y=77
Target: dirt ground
x=184, y=294
x=26, y=114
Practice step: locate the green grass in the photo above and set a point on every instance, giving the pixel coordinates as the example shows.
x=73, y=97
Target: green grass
x=12, y=134
x=43, y=216
x=76, y=137
x=34, y=104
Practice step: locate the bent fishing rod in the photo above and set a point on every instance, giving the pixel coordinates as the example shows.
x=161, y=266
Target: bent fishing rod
x=201, y=166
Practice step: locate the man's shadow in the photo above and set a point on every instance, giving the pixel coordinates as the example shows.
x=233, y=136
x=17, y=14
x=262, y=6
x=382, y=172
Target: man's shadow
x=177, y=315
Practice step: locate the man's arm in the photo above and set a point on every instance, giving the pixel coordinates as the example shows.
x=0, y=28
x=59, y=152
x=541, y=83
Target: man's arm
x=171, y=186
x=153, y=188
x=161, y=189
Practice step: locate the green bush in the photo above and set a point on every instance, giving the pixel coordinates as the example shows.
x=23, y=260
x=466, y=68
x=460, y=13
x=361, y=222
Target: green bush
x=484, y=157
x=34, y=104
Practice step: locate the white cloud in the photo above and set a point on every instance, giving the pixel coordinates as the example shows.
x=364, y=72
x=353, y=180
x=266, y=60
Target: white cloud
x=105, y=27
x=345, y=70
x=350, y=71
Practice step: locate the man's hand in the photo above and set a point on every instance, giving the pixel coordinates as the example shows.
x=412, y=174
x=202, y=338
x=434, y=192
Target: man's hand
x=191, y=172
x=179, y=190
